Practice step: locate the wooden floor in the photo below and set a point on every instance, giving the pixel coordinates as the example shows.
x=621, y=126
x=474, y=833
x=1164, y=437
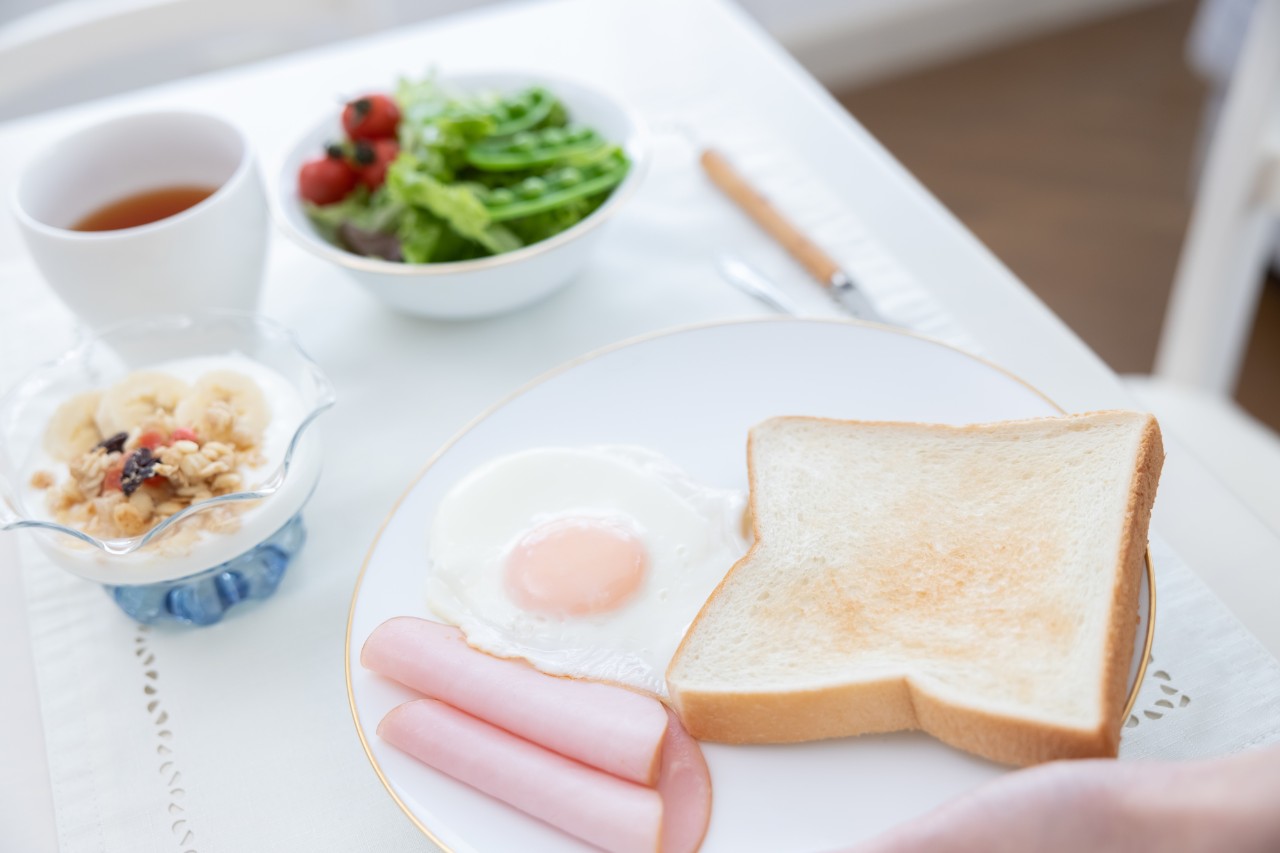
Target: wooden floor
x=1070, y=156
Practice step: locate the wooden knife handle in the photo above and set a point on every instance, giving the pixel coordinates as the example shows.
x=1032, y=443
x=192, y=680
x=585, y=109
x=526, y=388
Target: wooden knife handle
x=808, y=253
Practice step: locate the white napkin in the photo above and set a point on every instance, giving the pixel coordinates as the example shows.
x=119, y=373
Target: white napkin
x=238, y=736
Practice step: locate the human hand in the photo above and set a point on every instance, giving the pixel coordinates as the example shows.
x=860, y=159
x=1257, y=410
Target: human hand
x=1108, y=807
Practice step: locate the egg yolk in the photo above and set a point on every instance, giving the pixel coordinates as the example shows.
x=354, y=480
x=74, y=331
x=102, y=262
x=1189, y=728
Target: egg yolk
x=575, y=567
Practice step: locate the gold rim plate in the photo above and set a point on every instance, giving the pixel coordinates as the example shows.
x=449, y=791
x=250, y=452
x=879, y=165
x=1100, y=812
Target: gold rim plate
x=1142, y=654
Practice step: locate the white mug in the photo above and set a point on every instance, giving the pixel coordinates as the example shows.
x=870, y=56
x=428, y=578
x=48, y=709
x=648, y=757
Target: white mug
x=207, y=256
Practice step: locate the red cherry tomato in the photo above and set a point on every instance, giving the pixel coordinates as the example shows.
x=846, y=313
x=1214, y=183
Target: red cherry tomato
x=184, y=434
x=326, y=180
x=371, y=117
x=151, y=440
x=372, y=160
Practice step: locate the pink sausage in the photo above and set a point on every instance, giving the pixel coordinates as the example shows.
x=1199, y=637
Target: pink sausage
x=607, y=727
x=609, y=812
x=685, y=787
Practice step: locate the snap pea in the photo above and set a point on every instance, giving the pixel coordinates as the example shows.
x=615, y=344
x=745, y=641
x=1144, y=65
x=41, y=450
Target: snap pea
x=531, y=188
x=500, y=198
x=524, y=111
x=531, y=149
x=539, y=194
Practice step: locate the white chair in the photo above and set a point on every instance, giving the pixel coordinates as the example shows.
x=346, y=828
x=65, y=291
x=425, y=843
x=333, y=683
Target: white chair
x=1219, y=279
x=77, y=49
x=1232, y=227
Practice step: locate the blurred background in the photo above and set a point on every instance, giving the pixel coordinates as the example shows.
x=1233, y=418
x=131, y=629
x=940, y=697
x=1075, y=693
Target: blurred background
x=1067, y=134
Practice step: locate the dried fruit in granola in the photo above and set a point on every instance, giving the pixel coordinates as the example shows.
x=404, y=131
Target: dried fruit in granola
x=139, y=467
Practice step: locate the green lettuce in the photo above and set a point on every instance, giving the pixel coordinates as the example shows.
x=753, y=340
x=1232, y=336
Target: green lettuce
x=458, y=205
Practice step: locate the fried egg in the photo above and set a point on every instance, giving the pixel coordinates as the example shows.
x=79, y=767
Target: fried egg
x=585, y=561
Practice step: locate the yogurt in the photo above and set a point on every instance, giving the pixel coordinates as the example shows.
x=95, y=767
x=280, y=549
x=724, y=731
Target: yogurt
x=167, y=558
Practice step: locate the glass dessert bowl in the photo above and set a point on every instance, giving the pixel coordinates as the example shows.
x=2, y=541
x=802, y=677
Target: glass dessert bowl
x=168, y=459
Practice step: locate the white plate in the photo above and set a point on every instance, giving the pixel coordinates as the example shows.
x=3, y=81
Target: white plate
x=692, y=394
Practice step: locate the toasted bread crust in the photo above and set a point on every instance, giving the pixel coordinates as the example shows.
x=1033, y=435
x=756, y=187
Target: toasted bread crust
x=884, y=706
x=903, y=702
x=1133, y=549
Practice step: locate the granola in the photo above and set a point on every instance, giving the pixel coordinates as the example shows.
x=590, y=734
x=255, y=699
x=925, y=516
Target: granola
x=132, y=480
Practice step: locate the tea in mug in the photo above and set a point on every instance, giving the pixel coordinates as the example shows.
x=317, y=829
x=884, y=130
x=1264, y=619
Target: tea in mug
x=143, y=208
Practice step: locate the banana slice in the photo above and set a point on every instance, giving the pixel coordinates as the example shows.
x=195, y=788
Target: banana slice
x=136, y=398
x=221, y=392
x=73, y=429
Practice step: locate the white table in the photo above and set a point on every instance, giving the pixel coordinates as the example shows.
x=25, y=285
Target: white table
x=667, y=57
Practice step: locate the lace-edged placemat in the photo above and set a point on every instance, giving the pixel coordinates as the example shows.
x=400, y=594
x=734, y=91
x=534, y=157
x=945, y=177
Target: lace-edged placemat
x=1211, y=688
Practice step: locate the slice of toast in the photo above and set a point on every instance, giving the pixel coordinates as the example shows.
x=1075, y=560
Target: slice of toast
x=979, y=583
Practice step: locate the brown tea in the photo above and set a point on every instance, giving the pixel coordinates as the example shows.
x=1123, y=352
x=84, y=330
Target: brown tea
x=142, y=208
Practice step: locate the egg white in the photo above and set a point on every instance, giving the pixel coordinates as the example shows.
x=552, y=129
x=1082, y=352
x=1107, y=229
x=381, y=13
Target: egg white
x=692, y=533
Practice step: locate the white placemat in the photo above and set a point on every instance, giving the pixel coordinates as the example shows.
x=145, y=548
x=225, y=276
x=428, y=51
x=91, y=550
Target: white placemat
x=1211, y=688
x=238, y=736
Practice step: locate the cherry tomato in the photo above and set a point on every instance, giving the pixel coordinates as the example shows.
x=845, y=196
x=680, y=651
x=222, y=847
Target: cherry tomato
x=184, y=434
x=371, y=117
x=326, y=180
x=111, y=480
x=151, y=440
x=372, y=160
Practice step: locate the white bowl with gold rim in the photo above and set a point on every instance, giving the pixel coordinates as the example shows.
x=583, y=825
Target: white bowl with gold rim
x=484, y=286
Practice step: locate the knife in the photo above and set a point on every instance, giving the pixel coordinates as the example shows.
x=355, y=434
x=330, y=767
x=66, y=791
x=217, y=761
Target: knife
x=838, y=283
x=754, y=283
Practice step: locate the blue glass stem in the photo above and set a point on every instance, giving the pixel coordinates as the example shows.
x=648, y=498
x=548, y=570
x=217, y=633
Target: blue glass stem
x=203, y=598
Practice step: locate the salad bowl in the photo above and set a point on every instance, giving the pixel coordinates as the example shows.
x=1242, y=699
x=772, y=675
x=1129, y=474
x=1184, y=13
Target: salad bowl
x=183, y=569
x=487, y=285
